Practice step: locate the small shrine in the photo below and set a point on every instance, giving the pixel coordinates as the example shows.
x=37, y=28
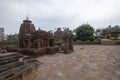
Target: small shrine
x=29, y=37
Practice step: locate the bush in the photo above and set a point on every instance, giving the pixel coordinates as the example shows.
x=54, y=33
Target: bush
x=91, y=38
x=114, y=38
x=96, y=38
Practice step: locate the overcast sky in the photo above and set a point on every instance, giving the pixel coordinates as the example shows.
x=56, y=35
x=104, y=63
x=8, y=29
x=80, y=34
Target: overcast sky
x=50, y=14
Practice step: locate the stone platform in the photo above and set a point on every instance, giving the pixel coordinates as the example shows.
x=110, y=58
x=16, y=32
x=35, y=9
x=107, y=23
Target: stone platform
x=87, y=62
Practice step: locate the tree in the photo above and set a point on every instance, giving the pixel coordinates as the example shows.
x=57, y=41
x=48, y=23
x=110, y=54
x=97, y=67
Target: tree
x=65, y=29
x=12, y=38
x=110, y=29
x=84, y=32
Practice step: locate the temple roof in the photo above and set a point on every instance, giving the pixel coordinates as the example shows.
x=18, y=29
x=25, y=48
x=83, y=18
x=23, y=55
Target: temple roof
x=27, y=20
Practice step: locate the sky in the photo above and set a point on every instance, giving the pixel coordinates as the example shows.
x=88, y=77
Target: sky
x=50, y=14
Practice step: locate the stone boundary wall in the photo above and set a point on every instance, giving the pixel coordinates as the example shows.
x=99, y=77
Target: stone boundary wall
x=102, y=42
x=87, y=42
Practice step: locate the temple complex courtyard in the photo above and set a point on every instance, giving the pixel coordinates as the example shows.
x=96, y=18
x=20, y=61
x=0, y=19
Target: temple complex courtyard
x=87, y=62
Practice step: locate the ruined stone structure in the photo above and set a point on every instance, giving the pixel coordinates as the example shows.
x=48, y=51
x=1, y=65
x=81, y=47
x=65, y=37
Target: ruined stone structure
x=66, y=36
x=42, y=39
x=31, y=38
x=58, y=35
x=15, y=66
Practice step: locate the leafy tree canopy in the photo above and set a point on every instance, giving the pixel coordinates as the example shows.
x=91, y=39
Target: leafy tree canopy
x=84, y=32
x=110, y=29
x=12, y=37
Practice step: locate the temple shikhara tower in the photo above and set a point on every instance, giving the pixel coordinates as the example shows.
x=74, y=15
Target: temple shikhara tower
x=29, y=37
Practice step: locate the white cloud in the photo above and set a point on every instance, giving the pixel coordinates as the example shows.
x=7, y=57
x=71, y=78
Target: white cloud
x=92, y=10
x=58, y=13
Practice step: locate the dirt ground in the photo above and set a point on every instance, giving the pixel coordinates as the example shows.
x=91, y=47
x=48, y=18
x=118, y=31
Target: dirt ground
x=87, y=62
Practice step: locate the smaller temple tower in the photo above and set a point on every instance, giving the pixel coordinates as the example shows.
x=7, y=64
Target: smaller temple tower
x=25, y=36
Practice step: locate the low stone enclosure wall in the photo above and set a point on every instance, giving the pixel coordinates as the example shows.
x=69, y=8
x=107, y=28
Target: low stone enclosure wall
x=55, y=49
x=110, y=42
x=35, y=52
x=87, y=42
x=102, y=42
x=15, y=66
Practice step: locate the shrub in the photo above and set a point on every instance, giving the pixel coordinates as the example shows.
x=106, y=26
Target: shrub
x=114, y=38
x=96, y=38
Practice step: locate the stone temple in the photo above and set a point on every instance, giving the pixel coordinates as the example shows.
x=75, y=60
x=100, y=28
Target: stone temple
x=29, y=37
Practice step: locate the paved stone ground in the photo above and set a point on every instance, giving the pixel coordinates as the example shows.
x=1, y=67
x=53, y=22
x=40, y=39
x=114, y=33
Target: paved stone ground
x=87, y=62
